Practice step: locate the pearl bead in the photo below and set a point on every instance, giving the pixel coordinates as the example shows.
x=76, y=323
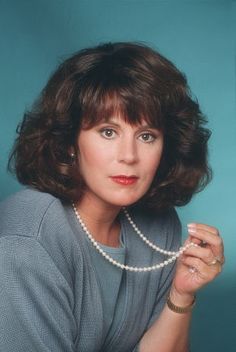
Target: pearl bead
x=172, y=255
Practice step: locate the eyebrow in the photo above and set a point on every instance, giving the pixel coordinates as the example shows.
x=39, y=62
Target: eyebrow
x=111, y=121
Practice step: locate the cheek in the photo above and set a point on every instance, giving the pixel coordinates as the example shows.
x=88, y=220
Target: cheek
x=93, y=157
x=152, y=164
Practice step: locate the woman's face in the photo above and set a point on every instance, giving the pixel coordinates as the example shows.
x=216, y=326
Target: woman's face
x=118, y=161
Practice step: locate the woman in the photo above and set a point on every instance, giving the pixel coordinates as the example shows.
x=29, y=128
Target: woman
x=88, y=250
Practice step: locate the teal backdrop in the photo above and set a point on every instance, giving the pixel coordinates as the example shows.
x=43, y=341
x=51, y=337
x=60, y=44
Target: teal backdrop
x=199, y=37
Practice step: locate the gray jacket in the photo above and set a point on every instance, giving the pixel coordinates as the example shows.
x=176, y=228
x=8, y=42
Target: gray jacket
x=49, y=294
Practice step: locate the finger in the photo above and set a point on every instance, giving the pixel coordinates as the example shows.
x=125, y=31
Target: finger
x=204, y=227
x=192, y=239
x=195, y=240
x=206, y=236
x=203, y=253
x=215, y=245
x=203, y=244
x=204, y=270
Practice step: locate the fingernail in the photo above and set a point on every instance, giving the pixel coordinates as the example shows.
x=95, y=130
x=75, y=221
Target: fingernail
x=191, y=225
x=191, y=230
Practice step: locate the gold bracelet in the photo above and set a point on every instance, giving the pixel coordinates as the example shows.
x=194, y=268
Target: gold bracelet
x=178, y=309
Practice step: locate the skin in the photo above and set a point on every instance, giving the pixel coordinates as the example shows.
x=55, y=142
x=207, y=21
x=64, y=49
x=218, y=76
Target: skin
x=118, y=148
x=170, y=332
x=109, y=149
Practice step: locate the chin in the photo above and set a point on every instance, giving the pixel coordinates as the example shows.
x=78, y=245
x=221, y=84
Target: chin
x=125, y=202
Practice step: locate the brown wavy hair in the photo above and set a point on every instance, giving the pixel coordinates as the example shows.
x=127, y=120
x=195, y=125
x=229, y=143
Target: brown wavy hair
x=134, y=81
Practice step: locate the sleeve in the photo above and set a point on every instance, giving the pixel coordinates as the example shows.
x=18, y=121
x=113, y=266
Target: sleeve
x=36, y=302
x=160, y=302
x=173, y=244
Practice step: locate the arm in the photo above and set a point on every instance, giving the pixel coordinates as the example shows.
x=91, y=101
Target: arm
x=169, y=333
x=36, y=301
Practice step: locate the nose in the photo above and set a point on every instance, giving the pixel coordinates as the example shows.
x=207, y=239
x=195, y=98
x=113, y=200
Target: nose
x=128, y=151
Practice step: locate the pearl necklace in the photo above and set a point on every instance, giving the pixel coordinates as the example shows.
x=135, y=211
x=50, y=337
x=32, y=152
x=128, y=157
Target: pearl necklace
x=173, y=255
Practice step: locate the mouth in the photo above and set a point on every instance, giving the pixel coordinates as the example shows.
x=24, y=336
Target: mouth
x=124, y=180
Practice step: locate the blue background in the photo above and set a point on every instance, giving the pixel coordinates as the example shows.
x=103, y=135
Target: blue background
x=199, y=37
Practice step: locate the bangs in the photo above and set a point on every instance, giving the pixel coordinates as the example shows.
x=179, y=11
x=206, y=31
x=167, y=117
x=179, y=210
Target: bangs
x=127, y=101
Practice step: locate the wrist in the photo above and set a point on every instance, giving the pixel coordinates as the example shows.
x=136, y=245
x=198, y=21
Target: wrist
x=180, y=303
x=180, y=309
x=181, y=299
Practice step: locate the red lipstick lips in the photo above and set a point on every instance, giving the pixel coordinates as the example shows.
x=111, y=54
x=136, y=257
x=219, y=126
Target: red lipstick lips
x=124, y=180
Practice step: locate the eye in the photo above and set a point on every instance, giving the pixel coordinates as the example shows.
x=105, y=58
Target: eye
x=108, y=133
x=147, y=137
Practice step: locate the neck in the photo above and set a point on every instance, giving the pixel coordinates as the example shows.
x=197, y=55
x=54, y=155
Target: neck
x=101, y=220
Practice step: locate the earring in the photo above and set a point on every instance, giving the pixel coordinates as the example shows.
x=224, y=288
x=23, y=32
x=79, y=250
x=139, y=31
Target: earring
x=72, y=155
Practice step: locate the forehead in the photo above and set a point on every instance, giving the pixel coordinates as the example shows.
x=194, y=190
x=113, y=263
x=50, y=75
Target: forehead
x=113, y=108
x=120, y=120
